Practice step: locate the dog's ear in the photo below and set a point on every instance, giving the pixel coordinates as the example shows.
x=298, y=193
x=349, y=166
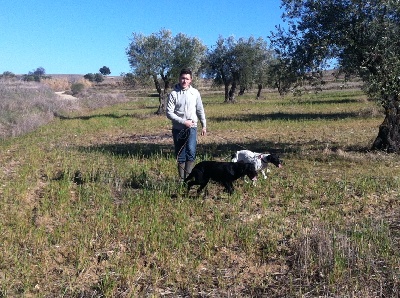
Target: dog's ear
x=274, y=159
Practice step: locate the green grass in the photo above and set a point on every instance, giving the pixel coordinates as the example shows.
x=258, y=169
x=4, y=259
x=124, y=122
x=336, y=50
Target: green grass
x=92, y=207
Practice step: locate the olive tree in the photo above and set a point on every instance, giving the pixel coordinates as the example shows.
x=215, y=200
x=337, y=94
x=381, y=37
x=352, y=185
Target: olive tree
x=255, y=59
x=364, y=38
x=237, y=63
x=105, y=71
x=36, y=75
x=160, y=56
x=218, y=63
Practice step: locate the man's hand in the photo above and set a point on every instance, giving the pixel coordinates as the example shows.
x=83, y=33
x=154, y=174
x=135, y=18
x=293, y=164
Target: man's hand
x=189, y=123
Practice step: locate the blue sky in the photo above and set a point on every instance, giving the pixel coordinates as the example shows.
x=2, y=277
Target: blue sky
x=80, y=36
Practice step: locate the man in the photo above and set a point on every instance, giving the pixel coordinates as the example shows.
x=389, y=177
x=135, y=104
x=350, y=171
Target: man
x=185, y=109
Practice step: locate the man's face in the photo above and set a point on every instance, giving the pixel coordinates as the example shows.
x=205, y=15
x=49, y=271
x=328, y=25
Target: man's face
x=185, y=80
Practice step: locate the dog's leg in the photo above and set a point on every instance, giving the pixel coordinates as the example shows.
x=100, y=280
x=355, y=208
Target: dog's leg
x=263, y=173
x=189, y=186
x=228, y=186
x=202, y=186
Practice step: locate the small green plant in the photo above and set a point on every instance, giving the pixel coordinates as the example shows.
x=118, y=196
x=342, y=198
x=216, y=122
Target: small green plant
x=77, y=88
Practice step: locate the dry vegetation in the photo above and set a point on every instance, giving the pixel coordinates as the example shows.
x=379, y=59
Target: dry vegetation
x=92, y=206
x=25, y=106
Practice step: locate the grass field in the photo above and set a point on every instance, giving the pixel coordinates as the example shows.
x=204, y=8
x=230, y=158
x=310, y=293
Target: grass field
x=91, y=205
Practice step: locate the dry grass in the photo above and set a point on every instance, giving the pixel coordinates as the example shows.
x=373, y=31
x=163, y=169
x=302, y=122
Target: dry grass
x=93, y=207
x=63, y=83
x=26, y=106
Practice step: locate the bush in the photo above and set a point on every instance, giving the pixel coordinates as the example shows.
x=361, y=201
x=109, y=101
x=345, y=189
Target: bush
x=98, y=77
x=129, y=80
x=89, y=77
x=7, y=75
x=94, y=77
x=25, y=106
x=77, y=88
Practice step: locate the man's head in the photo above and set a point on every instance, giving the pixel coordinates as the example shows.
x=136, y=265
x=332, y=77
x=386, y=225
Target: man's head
x=185, y=78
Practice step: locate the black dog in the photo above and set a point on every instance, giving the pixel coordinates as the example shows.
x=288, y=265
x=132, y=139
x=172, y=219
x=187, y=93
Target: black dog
x=222, y=172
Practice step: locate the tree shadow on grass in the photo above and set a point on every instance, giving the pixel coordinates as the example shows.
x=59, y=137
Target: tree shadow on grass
x=329, y=101
x=150, y=179
x=284, y=116
x=88, y=117
x=212, y=150
x=128, y=150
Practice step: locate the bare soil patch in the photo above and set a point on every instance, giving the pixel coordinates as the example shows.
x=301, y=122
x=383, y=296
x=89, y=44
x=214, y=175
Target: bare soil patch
x=66, y=96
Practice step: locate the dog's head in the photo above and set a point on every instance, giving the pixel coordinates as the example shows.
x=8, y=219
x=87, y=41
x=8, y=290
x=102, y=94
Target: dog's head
x=272, y=158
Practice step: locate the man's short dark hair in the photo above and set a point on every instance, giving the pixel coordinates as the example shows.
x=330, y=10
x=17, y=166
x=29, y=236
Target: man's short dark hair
x=186, y=71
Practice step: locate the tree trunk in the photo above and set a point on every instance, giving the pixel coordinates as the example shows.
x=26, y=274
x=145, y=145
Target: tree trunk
x=388, y=138
x=226, y=92
x=161, y=96
x=241, y=90
x=232, y=92
x=259, y=91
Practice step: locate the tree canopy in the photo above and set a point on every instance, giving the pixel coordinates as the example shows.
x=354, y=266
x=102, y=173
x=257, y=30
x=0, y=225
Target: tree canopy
x=161, y=56
x=234, y=63
x=36, y=75
x=363, y=38
x=105, y=71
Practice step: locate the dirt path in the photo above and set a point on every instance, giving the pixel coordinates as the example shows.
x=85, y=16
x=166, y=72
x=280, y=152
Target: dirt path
x=66, y=96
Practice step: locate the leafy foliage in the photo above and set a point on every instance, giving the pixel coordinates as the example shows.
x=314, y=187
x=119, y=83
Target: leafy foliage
x=7, y=75
x=105, y=71
x=161, y=56
x=94, y=77
x=361, y=35
x=241, y=62
x=36, y=75
x=98, y=77
x=77, y=88
x=89, y=77
x=129, y=80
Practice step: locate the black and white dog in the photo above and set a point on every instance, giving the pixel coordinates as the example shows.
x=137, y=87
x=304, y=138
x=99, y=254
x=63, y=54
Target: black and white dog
x=225, y=173
x=260, y=160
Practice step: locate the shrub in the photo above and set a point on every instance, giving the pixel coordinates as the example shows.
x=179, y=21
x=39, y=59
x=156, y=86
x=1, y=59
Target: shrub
x=84, y=82
x=77, y=88
x=7, y=75
x=129, y=80
x=98, y=78
x=26, y=106
x=94, y=77
x=89, y=77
